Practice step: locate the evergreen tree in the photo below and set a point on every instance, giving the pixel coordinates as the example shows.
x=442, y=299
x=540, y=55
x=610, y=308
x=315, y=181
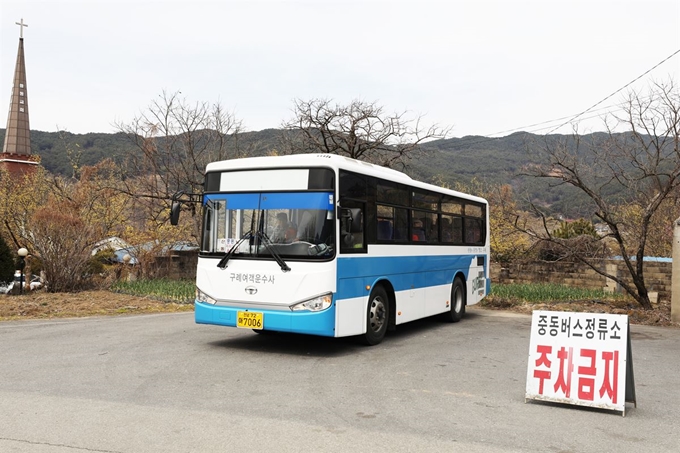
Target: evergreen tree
x=6, y=262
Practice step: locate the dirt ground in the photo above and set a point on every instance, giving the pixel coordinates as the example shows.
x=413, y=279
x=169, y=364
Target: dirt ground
x=42, y=305
x=660, y=315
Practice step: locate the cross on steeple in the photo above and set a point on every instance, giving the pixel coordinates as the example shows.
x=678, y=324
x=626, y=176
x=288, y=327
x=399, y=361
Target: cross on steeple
x=21, y=27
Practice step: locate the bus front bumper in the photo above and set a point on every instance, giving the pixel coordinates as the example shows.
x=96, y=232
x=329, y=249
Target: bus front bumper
x=313, y=323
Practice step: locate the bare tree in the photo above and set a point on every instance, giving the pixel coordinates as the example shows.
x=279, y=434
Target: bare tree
x=63, y=241
x=626, y=176
x=360, y=130
x=174, y=141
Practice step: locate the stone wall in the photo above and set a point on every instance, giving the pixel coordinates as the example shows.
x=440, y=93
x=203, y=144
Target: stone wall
x=657, y=275
x=180, y=265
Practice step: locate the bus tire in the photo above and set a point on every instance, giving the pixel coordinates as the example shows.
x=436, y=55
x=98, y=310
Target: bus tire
x=377, y=316
x=458, y=301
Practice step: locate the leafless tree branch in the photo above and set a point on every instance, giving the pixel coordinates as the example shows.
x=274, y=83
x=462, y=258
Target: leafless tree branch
x=643, y=164
x=360, y=130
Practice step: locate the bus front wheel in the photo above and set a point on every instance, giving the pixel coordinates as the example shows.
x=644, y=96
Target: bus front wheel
x=458, y=301
x=377, y=316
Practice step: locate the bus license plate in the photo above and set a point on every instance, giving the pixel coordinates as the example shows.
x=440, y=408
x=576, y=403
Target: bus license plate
x=250, y=320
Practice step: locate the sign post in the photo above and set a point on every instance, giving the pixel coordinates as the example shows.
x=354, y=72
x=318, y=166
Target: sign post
x=675, y=274
x=582, y=359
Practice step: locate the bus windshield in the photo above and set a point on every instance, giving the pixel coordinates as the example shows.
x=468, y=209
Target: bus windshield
x=298, y=225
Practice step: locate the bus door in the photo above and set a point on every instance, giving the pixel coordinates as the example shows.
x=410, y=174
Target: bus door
x=476, y=279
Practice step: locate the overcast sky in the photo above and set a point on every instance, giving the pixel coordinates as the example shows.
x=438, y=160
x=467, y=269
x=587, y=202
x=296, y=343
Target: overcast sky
x=483, y=67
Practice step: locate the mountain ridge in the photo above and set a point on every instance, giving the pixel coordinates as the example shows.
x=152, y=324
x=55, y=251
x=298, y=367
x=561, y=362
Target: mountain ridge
x=493, y=160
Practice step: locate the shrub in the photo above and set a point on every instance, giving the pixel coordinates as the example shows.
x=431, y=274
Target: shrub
x=580, y=227
x=63, y=242
x=571, y=240
x=584, y=246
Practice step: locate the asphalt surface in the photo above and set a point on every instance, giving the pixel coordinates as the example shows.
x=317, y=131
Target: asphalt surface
x=160, y=383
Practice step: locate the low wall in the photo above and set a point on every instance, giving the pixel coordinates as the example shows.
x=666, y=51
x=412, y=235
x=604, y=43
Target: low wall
x=180, y=265
x=657, y=275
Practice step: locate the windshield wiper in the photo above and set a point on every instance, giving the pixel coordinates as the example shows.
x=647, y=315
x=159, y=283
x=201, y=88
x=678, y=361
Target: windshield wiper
x=269, y=246
x=223, y=262
x=267, y=243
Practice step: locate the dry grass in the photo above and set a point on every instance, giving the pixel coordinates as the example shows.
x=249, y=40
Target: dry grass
x=659, y=316
x=42, y=305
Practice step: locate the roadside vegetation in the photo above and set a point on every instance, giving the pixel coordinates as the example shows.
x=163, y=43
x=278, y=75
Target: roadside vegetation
x=525, y=298
x=171, y=296
x=532, y=293
x=83, y=304
x=163, y=289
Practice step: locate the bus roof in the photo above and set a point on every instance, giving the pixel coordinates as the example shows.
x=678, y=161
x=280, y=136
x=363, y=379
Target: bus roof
x=329, y=161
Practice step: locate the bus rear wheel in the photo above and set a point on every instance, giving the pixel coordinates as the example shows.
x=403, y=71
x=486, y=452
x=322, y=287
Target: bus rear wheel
x=458, y=301
x=377, y=316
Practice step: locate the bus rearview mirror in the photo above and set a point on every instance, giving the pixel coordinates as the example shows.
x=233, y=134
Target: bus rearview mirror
x=174, y=212
x=352, y=219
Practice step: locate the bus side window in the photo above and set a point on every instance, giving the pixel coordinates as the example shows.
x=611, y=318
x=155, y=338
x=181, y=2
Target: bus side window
x=352, y=228
x=457, y=230
x=419, y=226
x=385, y=230
x=400, y=224
x=473, y=231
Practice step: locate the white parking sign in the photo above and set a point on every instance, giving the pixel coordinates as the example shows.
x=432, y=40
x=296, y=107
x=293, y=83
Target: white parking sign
x=580, y=358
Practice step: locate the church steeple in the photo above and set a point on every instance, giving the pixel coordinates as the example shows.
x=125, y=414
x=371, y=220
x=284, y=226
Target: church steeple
x=16, y=151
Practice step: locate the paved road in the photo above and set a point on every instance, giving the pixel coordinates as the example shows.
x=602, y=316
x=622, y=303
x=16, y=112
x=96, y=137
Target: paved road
x=160, y=383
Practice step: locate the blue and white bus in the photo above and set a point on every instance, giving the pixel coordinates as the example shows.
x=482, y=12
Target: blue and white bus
x=331, y=246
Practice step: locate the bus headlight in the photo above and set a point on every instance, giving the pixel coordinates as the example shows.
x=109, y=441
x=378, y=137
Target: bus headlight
x=316, y=304
x=203, y=297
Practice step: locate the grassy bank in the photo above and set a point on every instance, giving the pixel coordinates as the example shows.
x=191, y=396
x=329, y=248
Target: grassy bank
x=180, y=291
x=547, y=292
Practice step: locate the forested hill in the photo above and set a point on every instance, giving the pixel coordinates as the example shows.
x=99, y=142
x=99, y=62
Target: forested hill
x=54, y=147
x=504, y=160
x=93, y=147
x=495, y=160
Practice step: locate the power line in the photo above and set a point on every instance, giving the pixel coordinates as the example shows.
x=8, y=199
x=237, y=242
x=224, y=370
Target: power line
x=524, y=128
x=625, y=86
x=572, y=118
x=527, y=129
x=488, y=138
